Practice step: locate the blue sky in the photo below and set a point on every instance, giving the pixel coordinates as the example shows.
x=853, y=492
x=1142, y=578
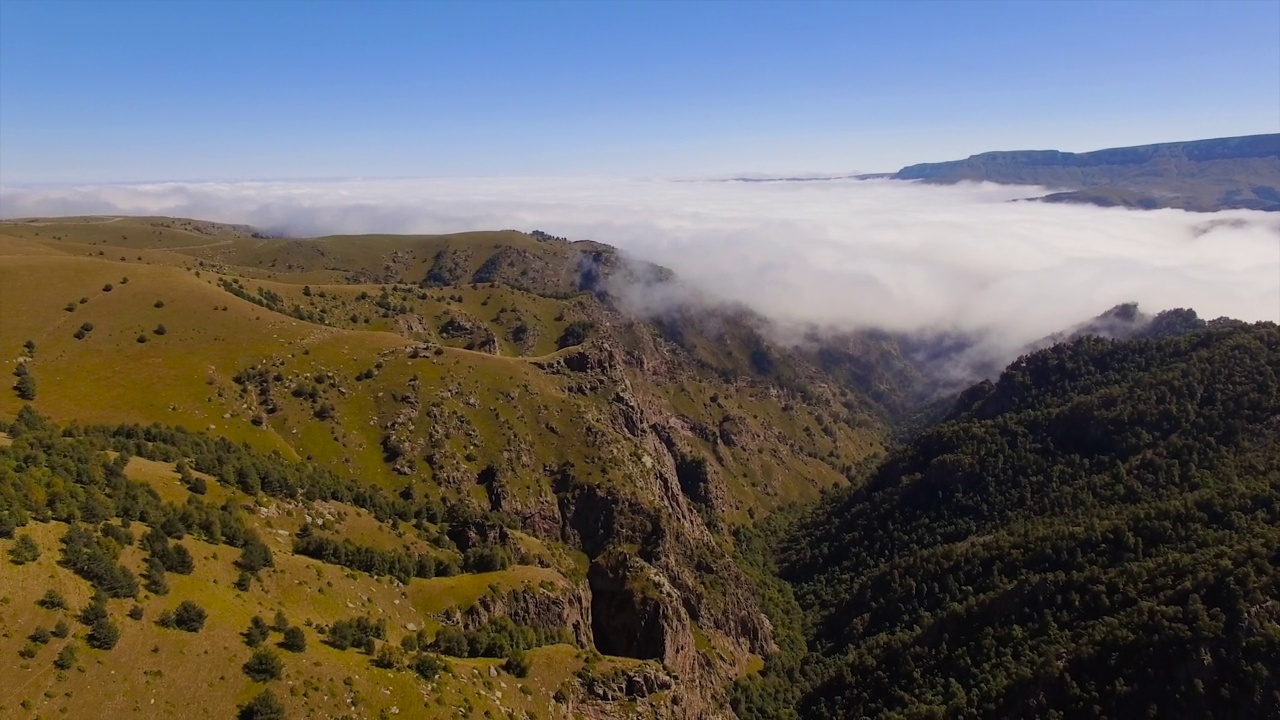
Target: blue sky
x=104, y=91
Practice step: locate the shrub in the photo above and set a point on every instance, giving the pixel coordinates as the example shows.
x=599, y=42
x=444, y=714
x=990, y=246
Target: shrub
x=167, y=619
x=135, y=612
x=29, y=651
x=40, y=636
x=160, y=329
x=517, y=663
x=264, y=706
x=428, y=665
x=159, y=304
x=257, y=632
x=24, y=550
x=295, y=640
x=52, y=600
x=389, y=657
x=264, y=666
x=96, y=609
x=142, y=337
x=26, y=389
x=189, y=616
x=254, y=556
x=66, y=657
x=60, y=629
x=103, y=635
x=107, y=288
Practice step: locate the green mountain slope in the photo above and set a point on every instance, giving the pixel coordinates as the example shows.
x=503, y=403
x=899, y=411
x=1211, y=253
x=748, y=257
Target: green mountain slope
x=490, y=385
x=1094, y=534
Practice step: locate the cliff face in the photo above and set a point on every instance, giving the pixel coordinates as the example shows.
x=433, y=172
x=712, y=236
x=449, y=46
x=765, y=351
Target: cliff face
x=1202, y=175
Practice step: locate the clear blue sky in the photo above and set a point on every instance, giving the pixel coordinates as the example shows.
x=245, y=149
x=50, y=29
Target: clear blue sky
x=108, y=91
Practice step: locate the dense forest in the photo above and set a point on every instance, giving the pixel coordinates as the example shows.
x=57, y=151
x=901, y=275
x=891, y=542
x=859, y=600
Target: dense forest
x=1095, y=534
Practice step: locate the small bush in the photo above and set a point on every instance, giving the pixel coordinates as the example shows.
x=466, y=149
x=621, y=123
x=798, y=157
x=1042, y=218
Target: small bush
x=167, y=619
x=66, y=657
x=24, y=549
x=189, y=616
x=103, y=635
x=264, y=706
x=264, y=666
x=159, y=304
x=142, y=338
x=160, y=329
x=295, y=640
x=40, y=636
x=107, y=288
x=135, y=612
x=60, y=629
x=517, y=663
x=52, y=600
x=428, y=665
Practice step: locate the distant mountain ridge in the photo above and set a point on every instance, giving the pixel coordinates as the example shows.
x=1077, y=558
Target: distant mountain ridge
x=1200, y=175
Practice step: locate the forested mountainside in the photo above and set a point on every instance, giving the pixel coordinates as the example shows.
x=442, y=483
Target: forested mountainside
x=1200, y=175
x=1095, y=534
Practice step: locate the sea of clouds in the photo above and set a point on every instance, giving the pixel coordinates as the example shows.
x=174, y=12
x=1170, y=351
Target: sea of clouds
x=846, y=253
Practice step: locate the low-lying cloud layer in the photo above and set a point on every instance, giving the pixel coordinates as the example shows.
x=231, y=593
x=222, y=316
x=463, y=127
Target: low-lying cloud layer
x=848, y=253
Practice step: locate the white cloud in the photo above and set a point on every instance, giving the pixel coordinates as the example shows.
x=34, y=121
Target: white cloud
x=843, y=252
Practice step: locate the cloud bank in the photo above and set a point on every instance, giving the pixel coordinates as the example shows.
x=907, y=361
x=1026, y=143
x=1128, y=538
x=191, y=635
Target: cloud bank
x=846, y=253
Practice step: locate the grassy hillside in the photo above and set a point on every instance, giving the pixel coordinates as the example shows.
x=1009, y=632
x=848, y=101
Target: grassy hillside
x=407, y=417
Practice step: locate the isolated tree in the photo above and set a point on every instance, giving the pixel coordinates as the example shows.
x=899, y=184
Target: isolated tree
x=24, y=550
x=428, y=665
x=103, y=634
x=295, y=640
x=156, y=583
x=280, y=623
x=96, y=609
x=52, y=600
x=29, y=348
x=177, y=559
x=66, y=657
x=257, y=632
x=264, y=666
x=517, y=663
x=264, y=706
x=26, y=386
x=189, y=616
x=254, y=556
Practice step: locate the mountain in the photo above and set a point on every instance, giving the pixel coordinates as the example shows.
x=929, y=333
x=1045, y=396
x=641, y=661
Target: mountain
x=1200, y=175
x=502, y=474
x=462, y=453
x=1093, y=534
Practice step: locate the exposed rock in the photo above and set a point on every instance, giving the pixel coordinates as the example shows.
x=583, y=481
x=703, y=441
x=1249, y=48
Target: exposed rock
x=566, y=608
